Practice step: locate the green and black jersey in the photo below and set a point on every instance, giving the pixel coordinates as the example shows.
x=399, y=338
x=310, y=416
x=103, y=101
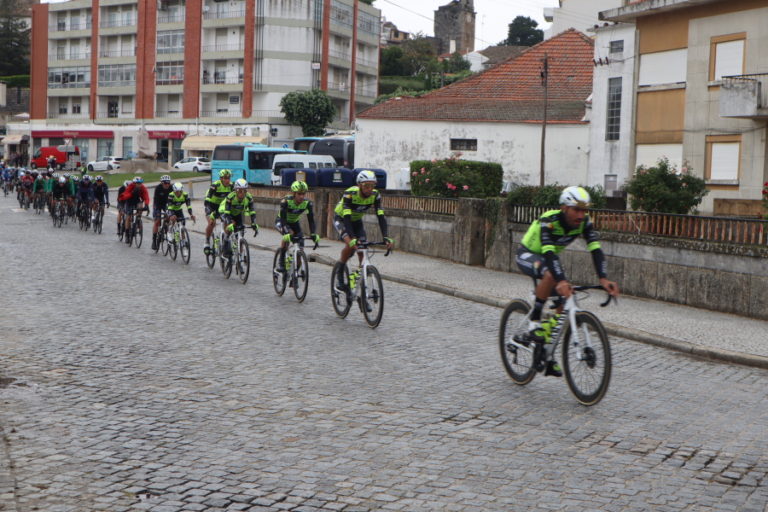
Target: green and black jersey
x=217, y=193
x=177, y=202
x=233, y=207
x=291, y=211
x=353, y=206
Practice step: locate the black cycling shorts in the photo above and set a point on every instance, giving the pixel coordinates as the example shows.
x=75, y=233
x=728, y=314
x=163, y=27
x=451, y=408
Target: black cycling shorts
x=530, y=264
x=288, y=227
x=357, y=228
x=178, y=213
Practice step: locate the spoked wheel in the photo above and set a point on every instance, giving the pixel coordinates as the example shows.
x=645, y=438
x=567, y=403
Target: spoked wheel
x=372, y=297
x=278, y=278
x=300, y=276
x=210, y=258
x=587, y=365
x=226, y=261
x=243, y=259
x=98, y=221
x=138, y=233
x=172, y=246
x=517, y=354
x=340, y=298
x=184, y=246
x=161, y=236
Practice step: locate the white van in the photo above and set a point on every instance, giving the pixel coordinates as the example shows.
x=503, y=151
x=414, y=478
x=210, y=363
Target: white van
x=299, y=161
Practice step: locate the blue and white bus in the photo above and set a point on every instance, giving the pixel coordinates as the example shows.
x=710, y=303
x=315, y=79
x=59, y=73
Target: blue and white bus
x=246, y=160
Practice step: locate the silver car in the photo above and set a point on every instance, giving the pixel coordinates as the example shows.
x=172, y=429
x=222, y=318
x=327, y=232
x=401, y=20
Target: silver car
x=193, y=163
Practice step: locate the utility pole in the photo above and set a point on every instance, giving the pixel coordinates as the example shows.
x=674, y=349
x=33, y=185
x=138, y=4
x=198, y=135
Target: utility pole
x=544, y=83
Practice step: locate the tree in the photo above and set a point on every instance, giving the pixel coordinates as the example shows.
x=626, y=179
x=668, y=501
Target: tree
x=392, y=63
x=312, y=110
x=455, y=64
x=419, y=56
x=523, y=32
x=14, y=40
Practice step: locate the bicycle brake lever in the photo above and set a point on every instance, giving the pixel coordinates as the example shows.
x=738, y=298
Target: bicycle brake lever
x=608, y=301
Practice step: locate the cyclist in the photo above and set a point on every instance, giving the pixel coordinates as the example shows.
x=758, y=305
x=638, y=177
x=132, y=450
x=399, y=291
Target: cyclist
x=60, y=192
x=85, y=194
x=537, y=257
x=348, y=218
x=101, y=193
x=136, y=197
x=233, y=209
x=7, y=177
x=215, y=196
x=38, y=189
x=121, y=206
x=291, y=208
x=161, y=204
x=176, y=201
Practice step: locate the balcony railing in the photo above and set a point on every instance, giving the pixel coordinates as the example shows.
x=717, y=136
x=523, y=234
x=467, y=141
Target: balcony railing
x=215, y=14
x=69, y=85
x=366, y=62
x=744, y=96
x=221, y=79
x=63, y=26
x=223, y=47
x=221, y=113
x=168, y=113
x=170, y=81
x=337, y=86
x=66, y=115
x=117, y=83
x=123, y=52
x=71, y=56
x=365, y=91
x=340, y=55
x=111, y=114
x=118, y=22
x=170, y=17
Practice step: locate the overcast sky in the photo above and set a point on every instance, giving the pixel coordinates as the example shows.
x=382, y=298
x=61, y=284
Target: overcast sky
x=491, y=24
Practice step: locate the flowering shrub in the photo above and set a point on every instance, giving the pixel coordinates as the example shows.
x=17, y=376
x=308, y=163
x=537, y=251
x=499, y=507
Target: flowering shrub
x=663, y=189
x=452, y=177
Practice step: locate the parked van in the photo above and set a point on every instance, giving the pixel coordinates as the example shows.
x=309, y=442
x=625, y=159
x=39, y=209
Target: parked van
x=69, y=158
x=340, y=148
x=299, y=161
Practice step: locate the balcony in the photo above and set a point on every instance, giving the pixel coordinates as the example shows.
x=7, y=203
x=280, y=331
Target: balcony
x=112, y=114
x=124, y=52
x=221, y=113
x=63, y=26
x=221, y=78
x=224, y=47
x=67, y=115
x=744, y=96
x=176, y=17
x=69, y=85
x=216, y=14
x=173, y=114
x=127, y=21
x=173, y=80
x=71, y=56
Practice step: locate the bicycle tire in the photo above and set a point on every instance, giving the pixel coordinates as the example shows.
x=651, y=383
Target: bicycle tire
x=372, y=296
x=138, y=233
x=519, y=363
x=244, y=261
x=300, y=273
x=340, y=299
x=160, y=240
x=184, y=246
x=226, y=261
x=210, y=257
x=595, y=365
x=278, y=278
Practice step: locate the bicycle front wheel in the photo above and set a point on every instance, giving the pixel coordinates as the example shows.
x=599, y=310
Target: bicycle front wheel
x=372, y=297
x=244, y=261
x=278, y=278
x=300, y=276
x=587, y=362
x=210, y=256
x=340, y=296
x=226, y=261
x=172, y=246
x=138, y=233
x=184, y=246
x=516, y=353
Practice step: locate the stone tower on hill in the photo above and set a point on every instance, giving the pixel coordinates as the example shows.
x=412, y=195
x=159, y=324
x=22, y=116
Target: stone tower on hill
x=455, y=22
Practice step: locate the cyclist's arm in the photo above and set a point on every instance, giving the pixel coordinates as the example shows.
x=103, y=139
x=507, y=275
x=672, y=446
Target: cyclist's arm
x=593, y=246
x=549, y=254
x=283, y=211
x=380, y=215
x=346, y=212
x=311, y=218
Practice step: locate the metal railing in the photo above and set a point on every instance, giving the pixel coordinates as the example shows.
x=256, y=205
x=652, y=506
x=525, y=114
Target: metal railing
x=223, y=79
x=225, y=13
x=60, y=115
x=69, y=85
x=64, y=26
x=692, y=227
x=223, y=47
x=118, y=22
x=168, y=113
x=170, y=18
x=123, y=52
x=169, y=81
x=71, y=56
x=220, y=113
x=114, y=115
x=439, y=205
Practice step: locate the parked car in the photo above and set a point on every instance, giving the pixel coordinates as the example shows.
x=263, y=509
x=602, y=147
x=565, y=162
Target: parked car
x=105, y=163
x=193, y=163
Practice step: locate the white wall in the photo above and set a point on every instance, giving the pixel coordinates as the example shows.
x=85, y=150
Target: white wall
x=578, y=14
x=392, y=145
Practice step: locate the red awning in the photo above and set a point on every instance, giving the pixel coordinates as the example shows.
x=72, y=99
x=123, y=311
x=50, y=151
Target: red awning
x=73, y=134
x=154, y=134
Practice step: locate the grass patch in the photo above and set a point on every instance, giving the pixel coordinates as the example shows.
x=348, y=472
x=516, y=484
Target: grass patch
x=116, y=180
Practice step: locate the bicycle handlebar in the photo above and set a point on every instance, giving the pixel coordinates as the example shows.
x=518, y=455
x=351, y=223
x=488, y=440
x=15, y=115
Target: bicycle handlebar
x=296, y=239
x=597, y=287
x=365, y=244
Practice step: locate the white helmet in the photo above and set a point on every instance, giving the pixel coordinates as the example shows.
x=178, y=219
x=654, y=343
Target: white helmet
x=241, y=184
x=365, y=176
x=575, y=196
x=178, y=187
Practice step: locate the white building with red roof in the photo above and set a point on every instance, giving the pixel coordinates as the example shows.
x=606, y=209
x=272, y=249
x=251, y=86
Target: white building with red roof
x=494, y=116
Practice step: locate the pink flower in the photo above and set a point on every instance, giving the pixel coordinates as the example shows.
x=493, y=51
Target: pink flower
x=413, y=173
x=426, y=181
x=466, y=187
x=434, y=160
x=423, y=171
x=450, y=186
x=684, y=170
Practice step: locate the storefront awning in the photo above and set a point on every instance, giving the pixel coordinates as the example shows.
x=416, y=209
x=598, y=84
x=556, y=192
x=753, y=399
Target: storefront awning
x=164, y=134
x=73, y=134
x=15, y=139
x=208, y=142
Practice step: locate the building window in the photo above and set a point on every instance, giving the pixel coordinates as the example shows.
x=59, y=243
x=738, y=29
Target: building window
x=127, y=147
x=170, y=73
x=613, y=113
x=104, y=147
x=170, y=41
x=69, y=77
x=616, y=46
x=723, y=159
x=463, y=144
x=62, y=106
x=117, y=75
x=76, y=106
x=726, y=56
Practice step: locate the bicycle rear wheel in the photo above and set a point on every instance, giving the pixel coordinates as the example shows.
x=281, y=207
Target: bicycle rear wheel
x=372, y=297
x=587, y=365
x=517, y=356
x=278, y=278
x=243, y=261
x=226, y=261
x=161, y=240
x=340, y=297
x=98, y=221
x=184, y=246
x=210, y=257
x=138, y=232
x=300, y=276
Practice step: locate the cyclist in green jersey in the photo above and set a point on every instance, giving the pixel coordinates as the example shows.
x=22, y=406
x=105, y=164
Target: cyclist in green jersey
x=537, y=257
x=176, y=201
x=219, y=190
x=348, y=218
x=292, y=207
x=233, y=210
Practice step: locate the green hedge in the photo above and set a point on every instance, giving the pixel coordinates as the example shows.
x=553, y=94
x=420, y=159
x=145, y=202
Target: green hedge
x=549, y=195
x=455, y=178
x=16, y=81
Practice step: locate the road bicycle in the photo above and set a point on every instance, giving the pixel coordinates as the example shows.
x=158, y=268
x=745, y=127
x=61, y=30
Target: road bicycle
x=39, y=203
x=238, y=255
x=176, y=240
x=98, y=219
x=162, y=235
x=85, y=216
x=6, y=187
x=59, y=213
x=135, y=233
x=586, y=351
x=214, y=252
x=362, y=286
x=296, y=271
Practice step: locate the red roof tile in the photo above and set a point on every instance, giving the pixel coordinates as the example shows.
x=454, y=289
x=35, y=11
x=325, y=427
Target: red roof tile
x=511, y=91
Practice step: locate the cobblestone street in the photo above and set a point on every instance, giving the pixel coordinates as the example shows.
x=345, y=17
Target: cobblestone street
x=131, y=382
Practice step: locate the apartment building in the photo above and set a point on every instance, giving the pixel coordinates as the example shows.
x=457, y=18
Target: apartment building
x=190, y=71
x=699, y=93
